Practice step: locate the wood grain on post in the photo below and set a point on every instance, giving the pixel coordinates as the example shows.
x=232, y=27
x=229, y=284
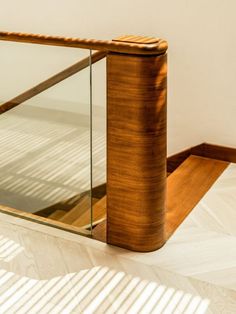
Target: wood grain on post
x=136, y=149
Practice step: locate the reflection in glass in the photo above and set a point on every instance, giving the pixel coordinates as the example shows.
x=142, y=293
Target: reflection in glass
x=45, y=143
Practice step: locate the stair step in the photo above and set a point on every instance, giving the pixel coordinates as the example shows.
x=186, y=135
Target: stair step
x=64, y=205
x=99, y=214
x=57, y=214
x=67, y=204
x=79, y=210
x=76, y=211
x=187, y=185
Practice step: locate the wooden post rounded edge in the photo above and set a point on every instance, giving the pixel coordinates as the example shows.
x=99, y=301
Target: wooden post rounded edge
x=136, y=150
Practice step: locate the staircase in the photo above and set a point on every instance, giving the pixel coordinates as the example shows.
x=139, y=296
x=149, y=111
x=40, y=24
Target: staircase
x=136, y=212
x=186, y=186
x=78, y=215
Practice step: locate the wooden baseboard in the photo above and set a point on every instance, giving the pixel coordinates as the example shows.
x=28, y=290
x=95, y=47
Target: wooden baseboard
x=215, y=152
x=203, y=150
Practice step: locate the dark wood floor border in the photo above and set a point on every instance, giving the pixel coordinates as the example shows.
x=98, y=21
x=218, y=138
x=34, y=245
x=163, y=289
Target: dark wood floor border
x=215, y=152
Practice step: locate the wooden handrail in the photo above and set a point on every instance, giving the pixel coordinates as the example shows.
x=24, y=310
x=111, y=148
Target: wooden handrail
x=41, y=87
x=126, y=44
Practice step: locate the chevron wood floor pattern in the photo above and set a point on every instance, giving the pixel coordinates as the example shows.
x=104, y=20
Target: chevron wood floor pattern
x=44, y=270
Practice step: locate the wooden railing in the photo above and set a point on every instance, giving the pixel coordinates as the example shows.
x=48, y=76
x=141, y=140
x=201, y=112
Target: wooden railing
x=136, y=133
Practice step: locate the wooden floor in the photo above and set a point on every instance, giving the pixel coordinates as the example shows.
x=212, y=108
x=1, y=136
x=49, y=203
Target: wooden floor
x=46, y=270
x=30, y=182
x=185, y=188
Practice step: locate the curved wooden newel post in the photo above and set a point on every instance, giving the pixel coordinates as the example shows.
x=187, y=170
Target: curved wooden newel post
x=136, y=149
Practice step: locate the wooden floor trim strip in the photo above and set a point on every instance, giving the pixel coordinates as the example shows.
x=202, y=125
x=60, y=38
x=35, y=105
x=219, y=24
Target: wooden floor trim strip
x=187, y=185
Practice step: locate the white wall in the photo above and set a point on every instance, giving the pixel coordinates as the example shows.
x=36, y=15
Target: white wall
x=202, y=45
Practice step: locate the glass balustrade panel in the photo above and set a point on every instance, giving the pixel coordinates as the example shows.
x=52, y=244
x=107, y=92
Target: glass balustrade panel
x=98, y=115
x=45, y=142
